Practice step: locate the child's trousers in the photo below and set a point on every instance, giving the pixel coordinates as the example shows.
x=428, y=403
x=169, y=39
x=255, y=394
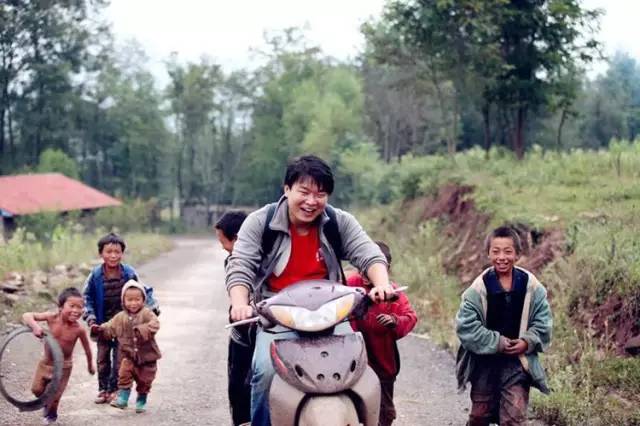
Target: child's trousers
x=107, y=360
x=499, y=392
x=387, y=408
x=43, y=376
x=142, y=374
x=239, y=372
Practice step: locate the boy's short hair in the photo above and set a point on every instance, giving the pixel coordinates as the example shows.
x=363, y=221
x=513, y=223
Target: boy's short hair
x=385, y=250
x=504, y=232
x=310, y=166
x=230, y=222
x=66, y=294
x=111, y=238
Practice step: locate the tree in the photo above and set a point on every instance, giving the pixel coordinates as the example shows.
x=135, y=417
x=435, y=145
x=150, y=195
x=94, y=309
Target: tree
x=56, y=161
x=508, y=53
x=41, y=45
x=191, y=93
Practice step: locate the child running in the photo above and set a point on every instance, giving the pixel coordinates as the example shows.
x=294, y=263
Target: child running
x=135, y=328
x=65, y=329
x=504, y=321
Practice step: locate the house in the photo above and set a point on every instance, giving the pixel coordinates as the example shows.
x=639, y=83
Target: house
x=22, y=195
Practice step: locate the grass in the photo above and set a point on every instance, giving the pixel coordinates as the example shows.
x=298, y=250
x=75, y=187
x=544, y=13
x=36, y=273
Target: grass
x=594, y=197
x=23, y=253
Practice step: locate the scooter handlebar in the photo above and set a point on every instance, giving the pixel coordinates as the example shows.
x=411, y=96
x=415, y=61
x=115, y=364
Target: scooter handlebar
x=257, y=318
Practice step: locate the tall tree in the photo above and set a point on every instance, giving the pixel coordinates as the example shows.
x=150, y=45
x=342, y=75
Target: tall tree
x=507, y=53
x=41, y=45
x=191, y=93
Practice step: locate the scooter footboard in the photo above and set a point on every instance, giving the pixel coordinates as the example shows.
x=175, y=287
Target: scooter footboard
x=284, y=401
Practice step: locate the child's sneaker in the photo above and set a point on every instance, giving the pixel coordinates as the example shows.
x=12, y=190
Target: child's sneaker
x=49, y=418
x=141, y=403
x=122, y=401
x=102, y=398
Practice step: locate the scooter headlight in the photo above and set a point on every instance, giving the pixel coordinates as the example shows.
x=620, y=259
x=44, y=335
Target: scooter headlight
x=325, y=316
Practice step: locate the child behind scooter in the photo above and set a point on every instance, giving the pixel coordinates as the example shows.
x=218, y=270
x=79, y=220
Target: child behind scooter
x=382, y=325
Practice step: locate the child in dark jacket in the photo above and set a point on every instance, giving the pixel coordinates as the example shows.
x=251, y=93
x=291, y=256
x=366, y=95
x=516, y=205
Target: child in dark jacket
x=135, y=328
x=242, y=339
x=381, y=327
x=504, y=321
x=102, y=301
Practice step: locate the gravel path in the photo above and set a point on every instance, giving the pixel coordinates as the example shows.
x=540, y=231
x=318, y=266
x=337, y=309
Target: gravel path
x=191, y=385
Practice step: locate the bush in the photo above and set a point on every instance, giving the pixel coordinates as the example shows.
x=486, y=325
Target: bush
x=133, y=215
x=56, y=161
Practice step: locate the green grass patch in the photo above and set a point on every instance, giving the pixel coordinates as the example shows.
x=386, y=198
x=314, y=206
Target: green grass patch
x=70, y=245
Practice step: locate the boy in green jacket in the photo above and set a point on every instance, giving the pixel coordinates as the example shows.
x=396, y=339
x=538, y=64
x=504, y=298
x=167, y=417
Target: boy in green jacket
x=503, y=322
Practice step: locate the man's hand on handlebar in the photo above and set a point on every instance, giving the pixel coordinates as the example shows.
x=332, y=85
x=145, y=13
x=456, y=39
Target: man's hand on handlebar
x=241, y=312
x=240, y=308
x=382, y=292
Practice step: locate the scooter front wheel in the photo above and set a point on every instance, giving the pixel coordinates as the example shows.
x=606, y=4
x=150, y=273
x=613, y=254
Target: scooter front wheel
x=335, y=410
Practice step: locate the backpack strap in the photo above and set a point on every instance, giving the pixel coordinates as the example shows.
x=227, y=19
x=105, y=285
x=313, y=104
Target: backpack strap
x=332, y=232
x=269, y=235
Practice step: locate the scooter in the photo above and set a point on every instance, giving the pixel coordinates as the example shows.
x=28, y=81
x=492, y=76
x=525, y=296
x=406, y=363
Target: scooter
x=321, y=378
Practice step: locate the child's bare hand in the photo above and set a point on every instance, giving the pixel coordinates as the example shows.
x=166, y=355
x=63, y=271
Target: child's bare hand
x=91, y=369
x=38, y=331
x=95, y=329
x=516, y=347
x=386, y=320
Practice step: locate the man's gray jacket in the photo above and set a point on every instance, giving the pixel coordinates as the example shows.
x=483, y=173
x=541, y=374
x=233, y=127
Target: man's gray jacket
x=249, y=267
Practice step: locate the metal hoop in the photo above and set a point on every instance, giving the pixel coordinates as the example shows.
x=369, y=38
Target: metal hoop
x=52, y=386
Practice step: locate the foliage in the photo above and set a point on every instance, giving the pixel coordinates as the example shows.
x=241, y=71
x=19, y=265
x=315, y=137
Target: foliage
x=486, y=50
x=70, y=244
x=42, y=46
x=42, y=226
x=134, y=215
x=56, y=161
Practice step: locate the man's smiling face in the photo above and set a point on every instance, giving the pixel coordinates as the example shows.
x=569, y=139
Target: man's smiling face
x=306, y=201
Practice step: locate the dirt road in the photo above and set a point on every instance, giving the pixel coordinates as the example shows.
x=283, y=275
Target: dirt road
x=191, y=385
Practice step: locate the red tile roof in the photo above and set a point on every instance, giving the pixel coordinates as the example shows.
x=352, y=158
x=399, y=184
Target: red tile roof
x=34, y=193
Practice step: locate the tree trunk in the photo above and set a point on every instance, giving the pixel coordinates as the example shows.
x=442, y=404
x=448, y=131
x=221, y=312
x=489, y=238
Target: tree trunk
x=563, y=118
x=518, y=139
x=12, y=150
x=486, y=124
x=453, y=133
x=443, y=109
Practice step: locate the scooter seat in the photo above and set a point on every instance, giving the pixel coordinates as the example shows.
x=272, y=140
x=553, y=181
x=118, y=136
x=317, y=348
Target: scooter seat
x=320, y=365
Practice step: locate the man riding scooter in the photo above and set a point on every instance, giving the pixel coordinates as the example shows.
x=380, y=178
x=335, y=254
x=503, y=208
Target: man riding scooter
x=298, y=238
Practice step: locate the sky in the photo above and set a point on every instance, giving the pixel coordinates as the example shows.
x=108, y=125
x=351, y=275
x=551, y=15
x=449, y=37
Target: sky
x=225, y=30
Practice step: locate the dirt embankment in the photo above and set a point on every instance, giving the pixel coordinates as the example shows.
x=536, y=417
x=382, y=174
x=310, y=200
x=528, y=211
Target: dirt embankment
x=465, y=229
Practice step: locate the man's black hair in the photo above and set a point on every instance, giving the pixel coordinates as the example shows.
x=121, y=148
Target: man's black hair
x=311, y=167
x=504, y=232
x=67, y=293
x=230, y=222
x=111, y=238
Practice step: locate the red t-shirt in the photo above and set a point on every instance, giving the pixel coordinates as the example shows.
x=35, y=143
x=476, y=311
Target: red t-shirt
x=305, y=262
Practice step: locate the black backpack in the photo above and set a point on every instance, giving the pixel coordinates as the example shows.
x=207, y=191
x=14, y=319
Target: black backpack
x=330, y=229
